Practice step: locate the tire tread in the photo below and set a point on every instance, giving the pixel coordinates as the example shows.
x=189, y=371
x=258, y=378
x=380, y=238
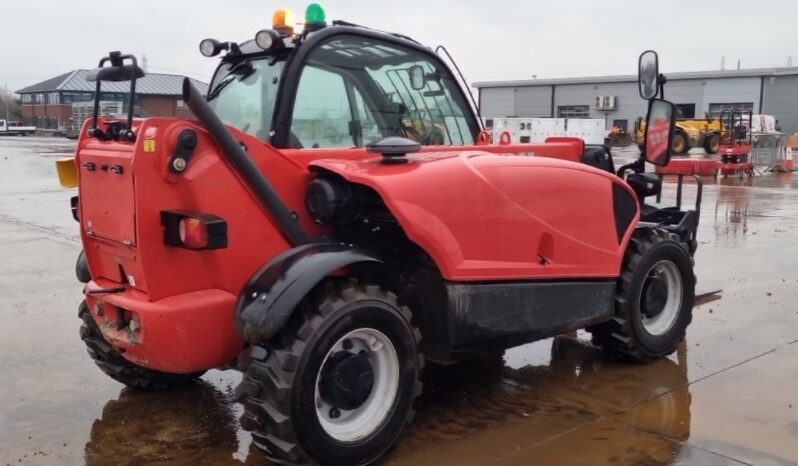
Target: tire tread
x=617, y=336
x=117, y=367
x=269, y=369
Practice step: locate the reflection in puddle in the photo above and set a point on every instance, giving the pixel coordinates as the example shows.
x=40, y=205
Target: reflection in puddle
x=618, y=413
x=195, y=424
x=731, y=210
x=470, y=413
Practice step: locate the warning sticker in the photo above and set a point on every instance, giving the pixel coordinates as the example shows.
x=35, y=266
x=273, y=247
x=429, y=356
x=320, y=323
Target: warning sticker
x=149, y=145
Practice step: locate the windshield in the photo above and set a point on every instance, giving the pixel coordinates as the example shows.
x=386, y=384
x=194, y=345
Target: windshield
x=356, y=90
x=243, y=94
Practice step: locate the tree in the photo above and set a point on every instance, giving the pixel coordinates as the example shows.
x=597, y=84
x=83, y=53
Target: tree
x=8, y=101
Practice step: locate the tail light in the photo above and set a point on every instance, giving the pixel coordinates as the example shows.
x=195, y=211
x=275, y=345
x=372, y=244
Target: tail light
x=193, y=230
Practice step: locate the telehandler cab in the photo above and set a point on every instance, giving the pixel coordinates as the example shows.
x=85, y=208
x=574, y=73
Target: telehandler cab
x=336, y=216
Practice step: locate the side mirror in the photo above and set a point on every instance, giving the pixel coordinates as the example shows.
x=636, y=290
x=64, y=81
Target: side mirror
x=660, y=125
x=648, y=74
x=417, y=79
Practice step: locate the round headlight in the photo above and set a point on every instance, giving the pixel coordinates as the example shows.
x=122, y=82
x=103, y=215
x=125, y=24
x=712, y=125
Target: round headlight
x=265, y=39
x=209, y=47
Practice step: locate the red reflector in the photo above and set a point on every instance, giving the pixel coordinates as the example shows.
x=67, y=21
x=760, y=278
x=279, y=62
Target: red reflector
x=193, y=233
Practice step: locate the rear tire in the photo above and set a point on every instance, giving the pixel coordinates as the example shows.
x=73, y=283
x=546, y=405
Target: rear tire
x=654, y=299
x=117, y=367
x=316, y=393
x=679, y=143
x=712, y=144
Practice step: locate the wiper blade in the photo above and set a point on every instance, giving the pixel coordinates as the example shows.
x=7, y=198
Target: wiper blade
x=241, y=70
x=220, y=87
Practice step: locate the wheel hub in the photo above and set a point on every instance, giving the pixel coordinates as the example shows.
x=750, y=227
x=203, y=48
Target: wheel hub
x=656, y=296
x=357, y=384
x=346, y=380
x=661, y=297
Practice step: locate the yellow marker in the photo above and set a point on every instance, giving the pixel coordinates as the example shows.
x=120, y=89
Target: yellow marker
x=149, y=145
x=67, y=172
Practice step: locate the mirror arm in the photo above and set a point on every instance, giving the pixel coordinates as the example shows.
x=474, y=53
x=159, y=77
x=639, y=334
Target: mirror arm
x=97, y=99
x=662, y=80
x=638, y=166
x=129, y=133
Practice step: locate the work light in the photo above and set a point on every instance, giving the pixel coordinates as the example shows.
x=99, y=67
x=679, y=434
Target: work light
x=210, y=47
x=266, y=39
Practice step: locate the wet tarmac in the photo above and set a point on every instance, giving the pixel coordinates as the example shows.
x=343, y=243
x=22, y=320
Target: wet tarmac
x=729, y=396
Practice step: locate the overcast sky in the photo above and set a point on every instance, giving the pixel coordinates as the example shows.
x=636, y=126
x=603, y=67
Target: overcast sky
x=490, y=40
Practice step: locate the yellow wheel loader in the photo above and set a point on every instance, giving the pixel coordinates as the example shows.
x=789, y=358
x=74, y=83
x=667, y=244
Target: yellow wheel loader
x=690, y=133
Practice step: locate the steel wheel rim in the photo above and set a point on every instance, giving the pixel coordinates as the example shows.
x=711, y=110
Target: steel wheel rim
x=353, y=425
x=666, y=271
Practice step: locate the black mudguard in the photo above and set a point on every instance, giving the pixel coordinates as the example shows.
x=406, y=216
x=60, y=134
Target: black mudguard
x=272, y=294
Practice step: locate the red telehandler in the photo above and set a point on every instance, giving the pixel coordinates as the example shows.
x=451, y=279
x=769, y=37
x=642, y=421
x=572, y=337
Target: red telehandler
x=336, y=216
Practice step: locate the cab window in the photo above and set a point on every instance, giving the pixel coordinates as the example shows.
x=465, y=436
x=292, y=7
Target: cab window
x=322, y=111
x=243, y=94
x=356, y=90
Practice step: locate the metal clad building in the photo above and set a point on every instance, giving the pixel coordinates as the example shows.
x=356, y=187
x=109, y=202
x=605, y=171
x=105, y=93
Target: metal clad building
x=781, y=100
x=771, y=91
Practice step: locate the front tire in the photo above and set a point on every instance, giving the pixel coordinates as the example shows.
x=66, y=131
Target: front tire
x=712, y=144
x=654, y=299
x=117, y=367
x=337, y=384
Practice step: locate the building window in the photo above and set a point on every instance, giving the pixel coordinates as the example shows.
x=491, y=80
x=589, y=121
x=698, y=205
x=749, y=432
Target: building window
x=715, y=110
x=26, y=98
x=39, y=98
x=573, y=111
x=72, y=97
x=115, y=97
x=180, y=103
x=685, y=110
x=52, y=98
x=621, y=124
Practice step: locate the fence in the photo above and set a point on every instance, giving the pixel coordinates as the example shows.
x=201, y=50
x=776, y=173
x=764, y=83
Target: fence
x=770, y=151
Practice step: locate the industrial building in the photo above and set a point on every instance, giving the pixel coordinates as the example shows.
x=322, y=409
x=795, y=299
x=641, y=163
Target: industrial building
x=615, y=99
x=49, y=104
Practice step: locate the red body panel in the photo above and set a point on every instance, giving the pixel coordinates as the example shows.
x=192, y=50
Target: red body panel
x=111, y=178
x=480, y=216
x=197, y=288
x=688, y=166
x=485, y=217
x=575, y=155
x=735, y=149
x=208, y=185
x=181, y=334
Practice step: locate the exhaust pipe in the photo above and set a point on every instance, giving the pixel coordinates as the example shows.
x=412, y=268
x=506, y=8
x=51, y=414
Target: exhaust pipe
x=244, y=165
